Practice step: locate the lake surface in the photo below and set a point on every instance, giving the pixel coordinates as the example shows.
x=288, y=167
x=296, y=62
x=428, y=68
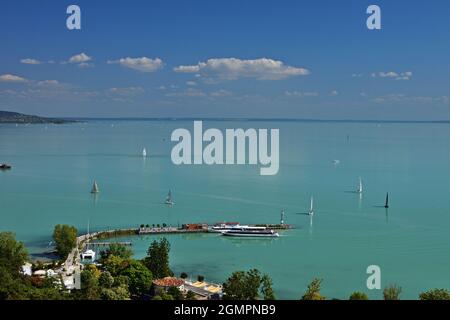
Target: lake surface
x=54, y=167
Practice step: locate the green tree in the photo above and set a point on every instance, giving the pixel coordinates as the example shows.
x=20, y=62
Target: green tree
x=16, y=286
x=166, y=296
x=89, y=285
x=200, y=278
x=313, y=291
x=139, y=278
x=435, y=294
x=13, y=254
x=392, y=292
x=157, y=260
x=114, y=265
x=266, y=288
x=175, y=293
x=183, y=275
x=190, y=295
x=117, y=250
x=65, y=238
x=116, y=293
x=163, y=296
x=357, y=295
x=248, y=286
x=106, y=280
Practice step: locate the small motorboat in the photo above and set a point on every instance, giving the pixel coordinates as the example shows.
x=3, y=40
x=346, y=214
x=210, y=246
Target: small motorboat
x=5, y=166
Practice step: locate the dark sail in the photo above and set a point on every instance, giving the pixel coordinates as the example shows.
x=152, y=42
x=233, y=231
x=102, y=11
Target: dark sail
x=386, y=205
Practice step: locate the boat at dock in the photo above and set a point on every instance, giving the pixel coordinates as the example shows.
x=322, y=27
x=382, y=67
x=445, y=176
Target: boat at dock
x=224, y=226
x=250, y=232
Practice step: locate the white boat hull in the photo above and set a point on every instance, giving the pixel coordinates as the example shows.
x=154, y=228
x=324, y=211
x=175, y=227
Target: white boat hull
x=247, y=235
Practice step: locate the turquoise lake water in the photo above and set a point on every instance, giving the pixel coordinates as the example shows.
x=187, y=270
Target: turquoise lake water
x=54, y=167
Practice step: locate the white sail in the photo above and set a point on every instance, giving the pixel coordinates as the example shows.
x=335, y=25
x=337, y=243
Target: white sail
x=95, y=188
x=169, y=198
x=311, y=208
x=144, y=152
x=360, y=187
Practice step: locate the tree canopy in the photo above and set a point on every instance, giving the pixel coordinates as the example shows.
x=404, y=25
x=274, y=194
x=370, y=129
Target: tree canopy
x=435, y=294
x=157, y=260
x=65, y=238
x=357, y=295
x=313, y=291
x=139, y=277
x=392, y=292
x=250, y=285
x=12, y=253
x=117, y=250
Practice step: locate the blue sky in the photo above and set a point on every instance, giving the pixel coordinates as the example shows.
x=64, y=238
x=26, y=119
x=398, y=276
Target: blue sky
x=271, y=59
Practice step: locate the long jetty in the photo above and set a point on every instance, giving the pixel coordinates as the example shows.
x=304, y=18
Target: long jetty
x=73, y=259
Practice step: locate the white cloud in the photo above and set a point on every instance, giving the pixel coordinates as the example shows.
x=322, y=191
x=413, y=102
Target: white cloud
x=232, y=69
x=126, y=91
x=48, y=83
x=334, y=93
x=188, y=69
x=191, y=92
x=394, y=75
x=30, y=61
x=221, y=93
x=85, y=65
x=80, y=58
x=11, y=78
x=301, y=94
x=191, y=83
x=397, y=98
x=390, y=74
x=143, y=64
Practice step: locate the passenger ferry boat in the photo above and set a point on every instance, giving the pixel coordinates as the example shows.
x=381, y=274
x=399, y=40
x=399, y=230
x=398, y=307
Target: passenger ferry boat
x=245, y=231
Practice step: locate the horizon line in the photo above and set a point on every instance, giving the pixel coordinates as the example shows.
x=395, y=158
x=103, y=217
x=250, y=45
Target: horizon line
x=251, y=119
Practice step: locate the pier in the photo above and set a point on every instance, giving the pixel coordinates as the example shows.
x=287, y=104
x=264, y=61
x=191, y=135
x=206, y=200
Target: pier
x=73, y=262
x=106, y=244
x=172, y=230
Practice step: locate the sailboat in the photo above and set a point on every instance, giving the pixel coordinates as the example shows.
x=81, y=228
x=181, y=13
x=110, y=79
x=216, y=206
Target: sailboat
x=169, y=200
x=386, y=205
x=311, y=208
x=95, y=188
x=144, y=153
x=360, y=187
x=88, y=254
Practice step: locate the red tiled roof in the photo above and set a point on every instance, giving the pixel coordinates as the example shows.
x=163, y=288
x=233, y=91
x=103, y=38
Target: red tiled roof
x=168, y=282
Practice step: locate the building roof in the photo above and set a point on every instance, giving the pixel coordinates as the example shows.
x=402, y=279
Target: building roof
x=168, y=282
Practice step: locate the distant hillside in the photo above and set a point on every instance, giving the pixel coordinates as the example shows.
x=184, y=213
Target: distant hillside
x=14, y=117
